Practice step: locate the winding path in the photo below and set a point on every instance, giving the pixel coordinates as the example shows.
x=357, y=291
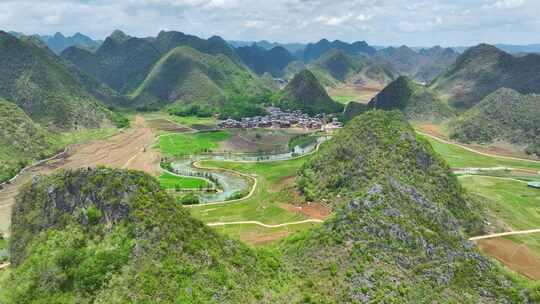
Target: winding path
x=496, y=235
x=265, y=225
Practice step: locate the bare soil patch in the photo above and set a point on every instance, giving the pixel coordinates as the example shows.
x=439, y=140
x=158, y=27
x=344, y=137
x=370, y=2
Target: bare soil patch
x=362, y=93
x=167, y=126
x=265, y=238
x=282, y=184
x=515, y=256
x=260, y=140
x=317, y=211
x=127, y=150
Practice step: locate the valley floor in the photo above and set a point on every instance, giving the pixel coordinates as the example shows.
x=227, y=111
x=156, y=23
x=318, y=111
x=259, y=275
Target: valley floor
x=274, y=209
x=128, y=150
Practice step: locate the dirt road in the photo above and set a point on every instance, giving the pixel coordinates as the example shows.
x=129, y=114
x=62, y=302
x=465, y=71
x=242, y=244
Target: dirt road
x=468, y=148
x=498, y=235
x=265, y=225
x=128, y=150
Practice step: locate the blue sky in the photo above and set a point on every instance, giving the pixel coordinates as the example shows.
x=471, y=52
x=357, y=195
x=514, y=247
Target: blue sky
x=382, y=22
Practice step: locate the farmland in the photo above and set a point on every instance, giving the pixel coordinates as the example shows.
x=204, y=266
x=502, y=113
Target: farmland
x=191, y=143
x=170, y=181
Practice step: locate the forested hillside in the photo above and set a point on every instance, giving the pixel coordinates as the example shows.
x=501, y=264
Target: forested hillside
x=504, y=115
x=414, y=100
x=46, y=89
x=21, y=140
x=482, y=70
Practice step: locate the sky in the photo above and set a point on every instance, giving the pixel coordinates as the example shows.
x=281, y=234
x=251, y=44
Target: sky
x=379, y=22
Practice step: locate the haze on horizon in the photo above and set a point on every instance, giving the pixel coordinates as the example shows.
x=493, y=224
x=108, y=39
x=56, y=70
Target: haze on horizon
x=380, y=22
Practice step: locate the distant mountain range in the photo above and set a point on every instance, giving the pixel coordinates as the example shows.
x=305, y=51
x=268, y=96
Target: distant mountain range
x=261, y=60
x=336, y=67
x=423, y=65
x=58, y=42
x=291, y=47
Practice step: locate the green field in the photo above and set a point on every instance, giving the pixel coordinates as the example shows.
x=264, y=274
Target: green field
x=512, y=201
x=193, y=121
x=263, y=205
x=191, y=143
x=169, y=181
x=457, y=157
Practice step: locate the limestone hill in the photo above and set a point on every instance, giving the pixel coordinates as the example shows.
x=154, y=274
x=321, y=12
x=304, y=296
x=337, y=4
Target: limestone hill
x=304, y=92
x=21, y=140
x=504, y=115
x=185, y=75
x=483, y=69
x=336, y=67
x=262, y=61
x=123, y=62
x=48, y=90
x=400, y=224
x=416, y=101
x=423, y=65
x=315, y=50
x=112, y=236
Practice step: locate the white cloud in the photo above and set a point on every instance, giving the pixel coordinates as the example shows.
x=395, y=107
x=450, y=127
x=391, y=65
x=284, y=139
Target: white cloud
x=508, y=4
x=414, y=22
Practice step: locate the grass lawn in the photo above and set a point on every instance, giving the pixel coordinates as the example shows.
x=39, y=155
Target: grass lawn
x=263, y=206
x=345, y=99
x=457, y=157
x=512, y=201
x=191, y=143
x=193, y=121
x=169, y=181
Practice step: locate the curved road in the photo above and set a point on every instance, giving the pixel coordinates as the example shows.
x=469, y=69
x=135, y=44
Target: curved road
x=265, y=225
x=496, y=235
x=476, y=151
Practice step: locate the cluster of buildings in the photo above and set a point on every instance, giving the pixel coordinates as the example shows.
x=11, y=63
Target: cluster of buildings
x=277, y=118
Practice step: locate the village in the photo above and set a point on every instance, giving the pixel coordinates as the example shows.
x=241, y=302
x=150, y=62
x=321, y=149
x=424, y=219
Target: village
x=278, y=118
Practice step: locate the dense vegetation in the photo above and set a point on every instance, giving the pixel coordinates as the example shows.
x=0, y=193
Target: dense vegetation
x=262, y=61
x=503, y=115
x=397, y=236
x=49, y=91
x=414, y=100
x=123, y=62
x=21, y=140
x=315, y=50
x=187, y=76
x=336, y=67
x=304, y=92
x=400, y=225
x=112, y=236
x=483, y=69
